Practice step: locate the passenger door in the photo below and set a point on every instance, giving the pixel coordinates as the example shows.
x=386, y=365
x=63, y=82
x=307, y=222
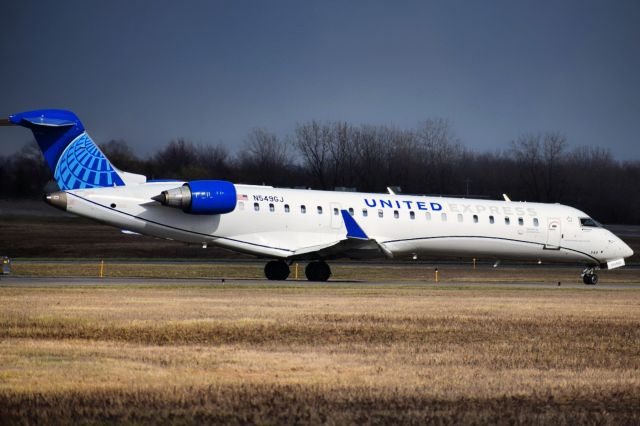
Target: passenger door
x=554, y=233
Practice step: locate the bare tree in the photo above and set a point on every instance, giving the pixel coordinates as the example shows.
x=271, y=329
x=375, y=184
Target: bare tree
x=439, y=150
x=526, y=152
x=313, y=141
x=175, y=155
x=370, y=166
x=122, y=156
x=428, y=159
x=265, y=158
x=29, y=171
x=553, y=155
x=539, y=157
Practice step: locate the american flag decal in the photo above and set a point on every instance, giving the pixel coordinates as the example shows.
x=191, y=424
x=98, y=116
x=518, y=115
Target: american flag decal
x=242, y=197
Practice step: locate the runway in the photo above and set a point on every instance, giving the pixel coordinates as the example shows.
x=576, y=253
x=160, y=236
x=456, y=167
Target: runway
x=35, y=282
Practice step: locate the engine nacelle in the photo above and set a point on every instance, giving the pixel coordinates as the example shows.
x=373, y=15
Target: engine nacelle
x=201, y=197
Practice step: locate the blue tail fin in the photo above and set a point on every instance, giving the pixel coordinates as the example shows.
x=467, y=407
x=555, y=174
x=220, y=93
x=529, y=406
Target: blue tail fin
x=73, y=157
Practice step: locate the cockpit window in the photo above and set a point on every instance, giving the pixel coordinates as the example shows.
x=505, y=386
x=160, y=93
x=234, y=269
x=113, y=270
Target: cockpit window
x=588, y=222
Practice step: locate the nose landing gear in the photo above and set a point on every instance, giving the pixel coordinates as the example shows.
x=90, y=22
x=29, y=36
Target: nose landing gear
x=589, y=275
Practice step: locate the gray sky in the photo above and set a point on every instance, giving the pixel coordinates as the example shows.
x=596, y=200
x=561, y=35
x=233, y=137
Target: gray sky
x=150, y=71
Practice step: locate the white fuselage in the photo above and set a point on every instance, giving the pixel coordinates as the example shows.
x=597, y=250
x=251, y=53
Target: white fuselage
x=278, y=223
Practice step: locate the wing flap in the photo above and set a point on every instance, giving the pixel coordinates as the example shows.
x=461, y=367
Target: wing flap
x=348, y=247
x=355, y=244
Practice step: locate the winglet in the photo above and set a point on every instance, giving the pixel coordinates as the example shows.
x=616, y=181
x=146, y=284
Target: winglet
x=353, y=229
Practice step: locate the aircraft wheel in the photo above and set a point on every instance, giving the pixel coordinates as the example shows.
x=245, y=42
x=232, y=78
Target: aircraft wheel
x=276, y=270
x=590, y=279
x=317, y=271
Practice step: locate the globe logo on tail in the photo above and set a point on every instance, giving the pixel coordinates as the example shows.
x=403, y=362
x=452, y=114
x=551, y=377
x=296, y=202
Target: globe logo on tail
x=83, y=165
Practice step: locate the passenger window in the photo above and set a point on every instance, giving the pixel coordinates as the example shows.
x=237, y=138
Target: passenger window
x=507, y=221
x=272, y=208
x=444, y=217
x=535, y=221
x=286, y=208
x=256, y=206
x=241, y=205
x=335, y=211
x=364, y=212
x=427, y=215
x=460, y=218
x=491, y=220
x=351, y=211
x=380, y=213
x=412, y=215
x=520, y=221
x=475, y=218
x=395, y=214
x=303, y=209
x=319, y=209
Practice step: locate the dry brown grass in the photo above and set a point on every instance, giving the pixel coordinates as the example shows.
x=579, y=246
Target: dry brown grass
x=359, y=354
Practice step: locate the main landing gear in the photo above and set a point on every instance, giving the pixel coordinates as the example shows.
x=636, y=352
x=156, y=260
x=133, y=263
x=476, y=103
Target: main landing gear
x=278, y=270
x=589, y=275
x=317, y=271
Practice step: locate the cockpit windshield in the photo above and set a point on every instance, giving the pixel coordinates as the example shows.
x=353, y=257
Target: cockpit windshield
x=590, y=223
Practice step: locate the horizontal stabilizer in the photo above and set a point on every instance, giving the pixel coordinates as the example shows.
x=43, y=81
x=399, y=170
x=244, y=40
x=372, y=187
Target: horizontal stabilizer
x=43, y=121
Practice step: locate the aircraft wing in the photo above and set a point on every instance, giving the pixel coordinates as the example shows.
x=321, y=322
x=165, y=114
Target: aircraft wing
x=355, y=244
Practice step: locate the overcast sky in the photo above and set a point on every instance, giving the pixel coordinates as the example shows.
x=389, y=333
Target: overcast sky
x=150, y=71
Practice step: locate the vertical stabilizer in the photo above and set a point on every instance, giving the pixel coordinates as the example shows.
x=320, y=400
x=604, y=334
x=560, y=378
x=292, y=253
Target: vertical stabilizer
x=73, y=157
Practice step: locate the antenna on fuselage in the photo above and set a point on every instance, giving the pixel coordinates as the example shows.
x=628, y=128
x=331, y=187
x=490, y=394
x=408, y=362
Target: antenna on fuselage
x=506, y=197
x=393, y=190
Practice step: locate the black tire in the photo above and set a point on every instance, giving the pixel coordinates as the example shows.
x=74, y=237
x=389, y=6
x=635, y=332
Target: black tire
x=276, y=270
x=317, y=271
x=590, y=279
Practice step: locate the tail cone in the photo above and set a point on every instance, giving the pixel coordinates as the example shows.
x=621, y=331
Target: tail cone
x=57, y=200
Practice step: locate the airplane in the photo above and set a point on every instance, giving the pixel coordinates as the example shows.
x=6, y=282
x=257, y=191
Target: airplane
x=287, y=225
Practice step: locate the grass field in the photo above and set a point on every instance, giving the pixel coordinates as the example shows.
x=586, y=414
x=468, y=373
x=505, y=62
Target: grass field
x=319, y=354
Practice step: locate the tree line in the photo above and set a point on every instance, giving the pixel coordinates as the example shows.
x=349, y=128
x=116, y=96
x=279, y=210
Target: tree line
x=428, y=159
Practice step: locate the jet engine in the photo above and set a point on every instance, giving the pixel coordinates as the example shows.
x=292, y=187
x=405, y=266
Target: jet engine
x=201, y=197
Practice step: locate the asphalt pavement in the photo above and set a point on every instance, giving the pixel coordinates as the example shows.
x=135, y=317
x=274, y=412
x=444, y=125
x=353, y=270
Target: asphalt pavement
x=20, y=281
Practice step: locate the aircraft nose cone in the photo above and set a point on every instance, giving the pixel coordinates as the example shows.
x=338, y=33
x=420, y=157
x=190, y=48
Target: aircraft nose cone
x=57, y=200
x=627, y=251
